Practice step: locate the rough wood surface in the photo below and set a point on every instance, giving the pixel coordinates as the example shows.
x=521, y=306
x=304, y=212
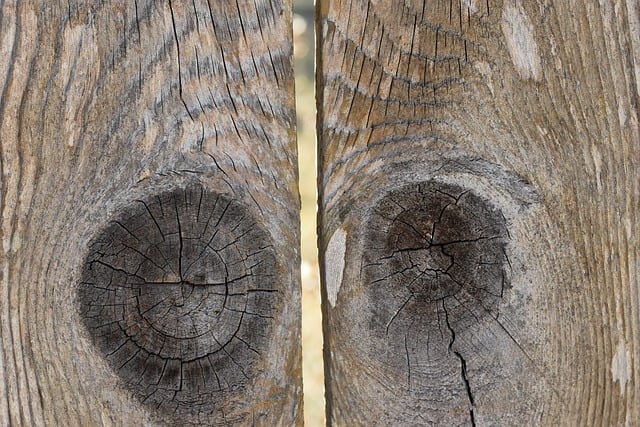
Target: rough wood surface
x=479, y=197
x=149, y=214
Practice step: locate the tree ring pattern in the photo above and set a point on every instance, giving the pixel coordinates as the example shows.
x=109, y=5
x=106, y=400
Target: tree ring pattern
x=179, y=295
x=433, y=245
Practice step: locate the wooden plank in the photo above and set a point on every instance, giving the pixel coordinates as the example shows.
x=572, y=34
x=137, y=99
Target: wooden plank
x=150, y=214
x=478, y=199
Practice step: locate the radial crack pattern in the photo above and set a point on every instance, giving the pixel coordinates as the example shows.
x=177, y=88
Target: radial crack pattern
x=179, y=295
x=435, y=267
x=436, y=241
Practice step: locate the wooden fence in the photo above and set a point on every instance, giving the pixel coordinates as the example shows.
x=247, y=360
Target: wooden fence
x=478, y=210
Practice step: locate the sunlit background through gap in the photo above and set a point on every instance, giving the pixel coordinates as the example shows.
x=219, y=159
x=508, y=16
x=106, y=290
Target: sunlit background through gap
x=312, y=365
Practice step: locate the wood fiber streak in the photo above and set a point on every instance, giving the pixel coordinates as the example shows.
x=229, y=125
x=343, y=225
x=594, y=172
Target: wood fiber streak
x=106, y=103
x=531, y=107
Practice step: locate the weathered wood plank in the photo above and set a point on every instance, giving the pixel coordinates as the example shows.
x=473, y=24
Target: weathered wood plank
x=478, y=199
x=176, y=120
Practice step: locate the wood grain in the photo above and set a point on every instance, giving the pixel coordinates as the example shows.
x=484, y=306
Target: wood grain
x=107, y=104
x=531, y=109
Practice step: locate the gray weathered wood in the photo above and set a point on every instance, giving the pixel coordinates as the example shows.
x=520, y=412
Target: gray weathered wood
x=149, y=214
x=479, y=201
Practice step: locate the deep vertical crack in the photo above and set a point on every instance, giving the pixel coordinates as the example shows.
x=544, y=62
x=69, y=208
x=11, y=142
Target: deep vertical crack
x=179, y=240
x=463, y=365
x=175, y=34
x=406, y=349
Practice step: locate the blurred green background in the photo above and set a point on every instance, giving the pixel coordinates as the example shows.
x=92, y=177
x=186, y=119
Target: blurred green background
x=312, y=365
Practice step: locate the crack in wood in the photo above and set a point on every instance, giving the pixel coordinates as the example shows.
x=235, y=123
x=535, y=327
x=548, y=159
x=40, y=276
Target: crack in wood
x=434, y=260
